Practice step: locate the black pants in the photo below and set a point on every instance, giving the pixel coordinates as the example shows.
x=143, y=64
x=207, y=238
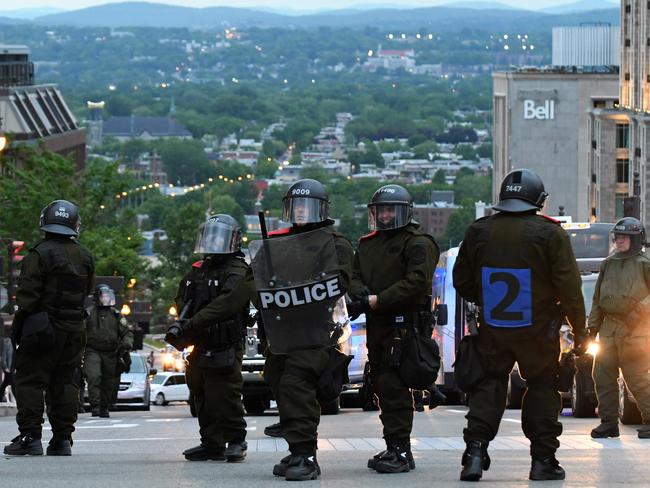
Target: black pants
x=293, y=378
x=7, y=380
x=53, y=373
x=217, y=398
x=394, y=397
x=537, y=358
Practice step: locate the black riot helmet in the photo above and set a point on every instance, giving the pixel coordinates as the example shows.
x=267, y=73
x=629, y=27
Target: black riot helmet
x=391, y=207
x=60, y=217
x=306, y=202
x=522, y=190
x=104, y=296
x=629, y=226
x=221, y=234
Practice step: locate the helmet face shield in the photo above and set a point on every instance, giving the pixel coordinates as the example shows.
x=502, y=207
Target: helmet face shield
x=105, y=297
x=388, y=216
x=304, y=210
x=217, y=238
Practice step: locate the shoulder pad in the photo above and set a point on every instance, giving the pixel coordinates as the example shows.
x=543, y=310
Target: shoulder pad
x=280, y=232
x=368, y=236
x=197, y=264
x=550, y=218
x=483, y=218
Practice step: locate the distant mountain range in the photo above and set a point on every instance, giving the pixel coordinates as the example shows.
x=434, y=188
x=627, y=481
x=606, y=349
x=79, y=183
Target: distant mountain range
x=581, y=6
x=30, y=13
x=471, y=15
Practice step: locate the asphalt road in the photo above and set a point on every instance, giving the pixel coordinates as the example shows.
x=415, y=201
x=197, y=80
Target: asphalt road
x=143, y=449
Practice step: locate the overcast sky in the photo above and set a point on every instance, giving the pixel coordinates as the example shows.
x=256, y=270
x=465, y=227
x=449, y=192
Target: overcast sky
x=276, y=4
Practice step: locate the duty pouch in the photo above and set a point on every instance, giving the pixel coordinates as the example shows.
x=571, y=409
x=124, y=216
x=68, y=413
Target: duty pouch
x=334, y=376
x=567, y=372
x=222, y=361
x=420, y=360
x=468, y=367
x=38, y=335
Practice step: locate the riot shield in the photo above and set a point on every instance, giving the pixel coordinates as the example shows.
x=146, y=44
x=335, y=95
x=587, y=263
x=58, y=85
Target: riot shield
x=298, y=285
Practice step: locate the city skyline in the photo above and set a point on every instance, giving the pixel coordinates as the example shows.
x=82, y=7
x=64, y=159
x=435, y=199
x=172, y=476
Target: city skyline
x=288, y=5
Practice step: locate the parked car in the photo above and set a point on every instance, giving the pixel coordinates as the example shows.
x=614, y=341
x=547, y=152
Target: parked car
x=134, y=389
x=169, y=387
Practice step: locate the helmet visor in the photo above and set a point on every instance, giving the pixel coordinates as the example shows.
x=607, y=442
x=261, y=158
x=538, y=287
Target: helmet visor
x=303, y=210
x=106, y=297
x=388, y=216
x=217, y=238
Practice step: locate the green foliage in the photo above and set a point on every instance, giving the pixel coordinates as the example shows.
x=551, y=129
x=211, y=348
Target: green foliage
x=185, y=161
x=265, y=169
x=32, y=178
x=29, y=180
x=466, y=151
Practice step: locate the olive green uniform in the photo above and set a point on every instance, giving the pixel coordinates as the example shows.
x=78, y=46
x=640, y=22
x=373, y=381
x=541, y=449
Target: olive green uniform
x=527, y=258
x=293, y=377
x=623, y=286
x=107, y=338
x=397, y=266
x=220, y=298
x=56, y=276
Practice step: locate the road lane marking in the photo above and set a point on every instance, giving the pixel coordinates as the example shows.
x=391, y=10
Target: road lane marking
x=163, y=420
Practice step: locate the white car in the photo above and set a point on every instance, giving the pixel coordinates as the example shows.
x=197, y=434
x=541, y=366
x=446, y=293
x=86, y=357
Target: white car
x=168, y=387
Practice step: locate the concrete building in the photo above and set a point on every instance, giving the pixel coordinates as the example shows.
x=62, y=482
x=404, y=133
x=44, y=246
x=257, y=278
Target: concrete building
x=15, y=67
x=620, y=132
x=31, y=114
x=541, y=122
x=586, y=45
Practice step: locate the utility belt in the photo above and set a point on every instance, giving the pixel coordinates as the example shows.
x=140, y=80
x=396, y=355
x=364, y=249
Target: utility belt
x=68, y=315
x=421, y=318
x=220, y=360
x=217, y=336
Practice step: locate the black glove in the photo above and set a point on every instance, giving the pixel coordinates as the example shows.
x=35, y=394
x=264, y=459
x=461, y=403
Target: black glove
x=176, y=335
x=581, y=342
x=358, y=306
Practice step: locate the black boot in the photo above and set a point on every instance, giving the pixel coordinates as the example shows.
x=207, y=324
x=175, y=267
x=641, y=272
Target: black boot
x=103, y=413
x=395, y=459
x=372, y=462
x=609, y=429
x=273, y=430
x=236, y=451
x=302, y=467
x=94, y=411
x=644, y=431
x=59, y=447
x=546, y=469
x=280, y=469
x=200, y=453
x=475, y=460
x=24, y=445
x=436, y=398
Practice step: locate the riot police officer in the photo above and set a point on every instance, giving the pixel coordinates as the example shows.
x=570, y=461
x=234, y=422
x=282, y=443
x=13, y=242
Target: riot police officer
x=517, y=265
x=393, y=271
x=55, y=279
x=108, y=345
x=619, y=315
x=294, y=373
x=214, y=301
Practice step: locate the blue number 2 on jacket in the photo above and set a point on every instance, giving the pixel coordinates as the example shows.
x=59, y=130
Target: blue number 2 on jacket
x=507, y=297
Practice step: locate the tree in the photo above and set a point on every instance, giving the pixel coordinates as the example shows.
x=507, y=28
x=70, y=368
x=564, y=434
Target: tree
x=185, y=161
x=440, y=178
x=466, y=151
x=485, y=150
x=266, y=168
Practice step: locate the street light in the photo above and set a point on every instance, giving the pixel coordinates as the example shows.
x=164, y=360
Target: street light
x=126, y=310
x=3, y=141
